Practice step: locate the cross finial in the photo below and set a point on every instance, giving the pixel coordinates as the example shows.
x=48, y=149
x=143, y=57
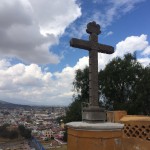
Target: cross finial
x=92, y=27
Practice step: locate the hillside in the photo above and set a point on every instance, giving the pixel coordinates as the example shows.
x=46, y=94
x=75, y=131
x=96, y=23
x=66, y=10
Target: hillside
x=4, y=104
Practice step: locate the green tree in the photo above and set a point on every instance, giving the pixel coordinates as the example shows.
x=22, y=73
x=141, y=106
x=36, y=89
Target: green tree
x=21, y=128
x=81, y=84
x=120, y=83
x=13, y=134
x=141, y=96
x=74, y=111
x=81, y=89
x=5, y=133
x=24, y=132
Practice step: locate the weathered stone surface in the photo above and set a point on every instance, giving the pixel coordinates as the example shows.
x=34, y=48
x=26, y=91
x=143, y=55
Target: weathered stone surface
x=94, y=114
x=95, y=126
x=93, y=47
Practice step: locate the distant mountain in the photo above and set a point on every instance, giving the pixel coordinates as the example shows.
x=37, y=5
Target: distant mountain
x=4, y=104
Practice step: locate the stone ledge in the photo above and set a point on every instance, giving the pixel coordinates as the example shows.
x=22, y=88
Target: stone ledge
x=133, y=118
x=95, y=126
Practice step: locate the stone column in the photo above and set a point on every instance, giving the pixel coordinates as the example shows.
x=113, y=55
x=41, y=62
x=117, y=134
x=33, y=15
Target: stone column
x=93, y=71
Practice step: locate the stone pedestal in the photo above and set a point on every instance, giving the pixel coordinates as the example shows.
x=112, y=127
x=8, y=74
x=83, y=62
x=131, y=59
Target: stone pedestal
x=93, y=114
x=94, y=136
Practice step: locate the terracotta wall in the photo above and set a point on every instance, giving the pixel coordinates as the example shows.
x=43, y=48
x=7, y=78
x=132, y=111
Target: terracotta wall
x=135, y=144
x=94, y=140
x=115, y=116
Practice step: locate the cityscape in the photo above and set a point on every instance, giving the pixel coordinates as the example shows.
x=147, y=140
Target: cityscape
x=47, y=130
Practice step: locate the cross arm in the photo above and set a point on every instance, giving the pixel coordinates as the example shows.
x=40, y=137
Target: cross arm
x=105, y=49
x=80, y=44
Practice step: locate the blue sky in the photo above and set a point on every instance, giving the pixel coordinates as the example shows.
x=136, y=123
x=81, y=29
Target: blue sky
x=37, y=65
x=134, y=22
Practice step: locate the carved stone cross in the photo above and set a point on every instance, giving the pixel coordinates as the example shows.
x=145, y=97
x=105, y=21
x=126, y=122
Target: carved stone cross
x=93, y=112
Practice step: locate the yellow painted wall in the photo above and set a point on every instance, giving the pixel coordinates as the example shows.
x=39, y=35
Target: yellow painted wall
x=115, y=116
x=94, y=140
x=135, y=144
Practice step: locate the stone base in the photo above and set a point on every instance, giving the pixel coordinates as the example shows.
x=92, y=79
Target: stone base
x=93, y=114
x=94, y=136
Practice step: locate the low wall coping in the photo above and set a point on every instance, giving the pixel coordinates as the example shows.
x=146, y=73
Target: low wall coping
x=134, y=118
x=95, y=126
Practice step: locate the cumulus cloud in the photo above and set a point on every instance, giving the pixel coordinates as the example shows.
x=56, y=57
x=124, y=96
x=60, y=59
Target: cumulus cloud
x=146, y=52
x=23, y=84
x=144, y=61
x=28, y=28
x=28, y=83
x=131, y=44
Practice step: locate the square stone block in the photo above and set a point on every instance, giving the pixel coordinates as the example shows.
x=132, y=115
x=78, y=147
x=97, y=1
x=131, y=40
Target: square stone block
x=94, y=114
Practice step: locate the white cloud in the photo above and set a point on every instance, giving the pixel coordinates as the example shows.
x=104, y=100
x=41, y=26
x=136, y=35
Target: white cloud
x=29, y=84
x=146, y=52
x=82, y=62
x=97, y=1
x=29, y=27
x=56, y=15
x=109, y=33
x=144, y=61
x=131, y=44
x=4, y=64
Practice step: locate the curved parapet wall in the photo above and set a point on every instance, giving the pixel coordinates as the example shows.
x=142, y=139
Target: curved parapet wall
x=94, y=136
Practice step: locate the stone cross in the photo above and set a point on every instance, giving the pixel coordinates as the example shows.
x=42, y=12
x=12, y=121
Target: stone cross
x=93, y=47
